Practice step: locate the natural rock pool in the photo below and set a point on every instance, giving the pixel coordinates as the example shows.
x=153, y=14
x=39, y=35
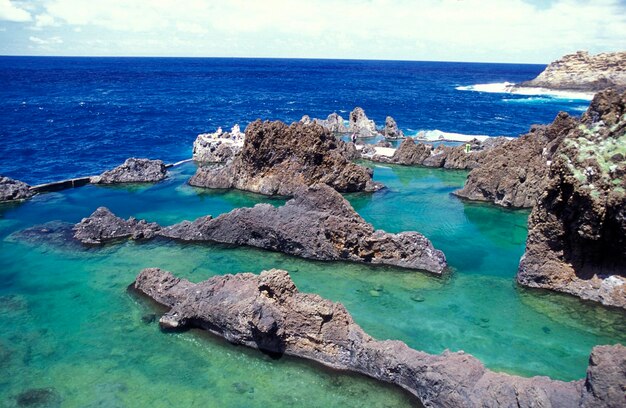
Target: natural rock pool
x=71, y=334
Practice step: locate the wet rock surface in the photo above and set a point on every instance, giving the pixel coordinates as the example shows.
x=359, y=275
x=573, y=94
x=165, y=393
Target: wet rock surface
x=103, y=226
x=318, y=223
x=584, y=72
x=577, y=231
x=513, y=173
x=133, y=171
x=268, y=313
x=276, y=159
x=11, y=189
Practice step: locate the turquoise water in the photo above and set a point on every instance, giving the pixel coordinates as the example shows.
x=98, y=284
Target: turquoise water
x=68, y=324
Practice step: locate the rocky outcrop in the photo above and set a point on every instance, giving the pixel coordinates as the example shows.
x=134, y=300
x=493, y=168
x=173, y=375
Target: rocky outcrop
x=133, y=171
x=411, y=153
x=267, y=312
x=391, y=130
x=583, y=72
x=513, y=174
x=103, y=226
x=334, y=123
x=218, y=147
x=577, y=231
x=360, y=125
x=318, y=223
x=11, y=189
x=277, y=159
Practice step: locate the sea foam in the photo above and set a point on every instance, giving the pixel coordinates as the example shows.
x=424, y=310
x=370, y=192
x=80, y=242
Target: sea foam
x=511, y=88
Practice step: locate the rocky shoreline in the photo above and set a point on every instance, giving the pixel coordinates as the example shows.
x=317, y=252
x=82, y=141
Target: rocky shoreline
x=267, y=312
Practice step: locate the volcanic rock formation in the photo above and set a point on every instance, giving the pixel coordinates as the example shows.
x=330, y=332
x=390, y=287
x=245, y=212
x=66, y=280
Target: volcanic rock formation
x=103, y=226
x=577, y=231
x=218, y=147
x=584, y=72
x=277, y=159
x=334, y=123
x=391, y=130
x=268, y=313
x=361, y=125
x=513, y=174
x=11, y=189
x=133, y=171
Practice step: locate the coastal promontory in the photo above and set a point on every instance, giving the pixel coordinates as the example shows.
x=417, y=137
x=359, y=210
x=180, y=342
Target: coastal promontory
x=583, y=72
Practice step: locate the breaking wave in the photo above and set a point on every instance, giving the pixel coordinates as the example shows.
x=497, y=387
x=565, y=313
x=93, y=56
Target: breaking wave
x=511, y=88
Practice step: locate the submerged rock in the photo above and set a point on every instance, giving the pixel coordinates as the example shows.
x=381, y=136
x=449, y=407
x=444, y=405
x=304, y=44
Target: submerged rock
x=577, y=231
x=103, y=226
x=583, y=72
x=276, y=159
x=318, y=223
x=267, y=312
x=218, y=147
x=360, y=125
x=57, y=233
x=39, y=398
x=391, y=130
x=513, y=173
x=133, y=171
x=11, y=189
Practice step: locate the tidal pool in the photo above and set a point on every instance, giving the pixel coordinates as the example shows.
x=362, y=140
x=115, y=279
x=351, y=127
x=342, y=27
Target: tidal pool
x=70, y=332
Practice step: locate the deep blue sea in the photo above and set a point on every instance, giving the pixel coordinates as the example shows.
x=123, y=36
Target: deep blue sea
x=64, y=117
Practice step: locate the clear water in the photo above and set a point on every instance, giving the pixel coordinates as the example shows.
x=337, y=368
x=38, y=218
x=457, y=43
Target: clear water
x=68, y=117
x=68, y=323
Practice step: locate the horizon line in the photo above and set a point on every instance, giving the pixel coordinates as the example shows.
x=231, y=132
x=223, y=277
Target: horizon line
x=264, y=58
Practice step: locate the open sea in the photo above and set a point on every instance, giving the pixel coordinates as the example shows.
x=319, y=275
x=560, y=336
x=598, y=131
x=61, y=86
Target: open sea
x=72, y=336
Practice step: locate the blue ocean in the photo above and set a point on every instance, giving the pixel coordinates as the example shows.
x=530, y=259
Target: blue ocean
x=72, y=335
x=65, y=117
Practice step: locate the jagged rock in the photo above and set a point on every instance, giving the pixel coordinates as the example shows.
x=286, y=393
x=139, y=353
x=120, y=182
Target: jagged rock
x=11, y=189
x=334, y=123
x=318, y=223
x=133, y=171
x=218, y=147
x=267, y=312
x=410, y=153
x=360, y=125
x=513, y=174
x=577, y=231
x=103, y=226
x=277, y=159
x=583, y=72
x=391, y=131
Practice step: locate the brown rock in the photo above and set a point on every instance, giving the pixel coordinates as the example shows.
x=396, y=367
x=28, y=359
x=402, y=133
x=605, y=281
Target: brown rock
x=277, y=159
x=103, y=226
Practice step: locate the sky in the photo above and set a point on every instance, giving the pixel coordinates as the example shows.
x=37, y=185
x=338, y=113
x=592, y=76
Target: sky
x=524, y=31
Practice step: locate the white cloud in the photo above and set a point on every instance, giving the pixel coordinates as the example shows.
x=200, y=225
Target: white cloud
x=487, y=30
x=10, y=12
x=48, y=41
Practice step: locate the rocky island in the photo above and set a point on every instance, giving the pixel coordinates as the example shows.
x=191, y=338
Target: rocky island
x=267, y=312
x=133, y=170
x=11, y=190
x=276, y=159
x=583, y=72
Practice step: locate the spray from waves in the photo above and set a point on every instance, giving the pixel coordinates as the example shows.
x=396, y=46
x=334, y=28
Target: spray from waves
x=511, y=88
x=439, y=135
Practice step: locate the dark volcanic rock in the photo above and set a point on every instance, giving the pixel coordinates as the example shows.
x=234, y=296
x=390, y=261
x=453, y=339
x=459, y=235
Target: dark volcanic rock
x=577, y=231
x=133, y=171
x=103, y=226
x=361, y=125
x=11, y=189
x=277, y=159
x=318, y=223
x=513, y=174
x=268, y=313
x=391, y=130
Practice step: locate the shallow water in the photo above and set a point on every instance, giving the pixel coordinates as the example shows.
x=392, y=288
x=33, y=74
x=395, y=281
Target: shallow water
x=68, y=323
